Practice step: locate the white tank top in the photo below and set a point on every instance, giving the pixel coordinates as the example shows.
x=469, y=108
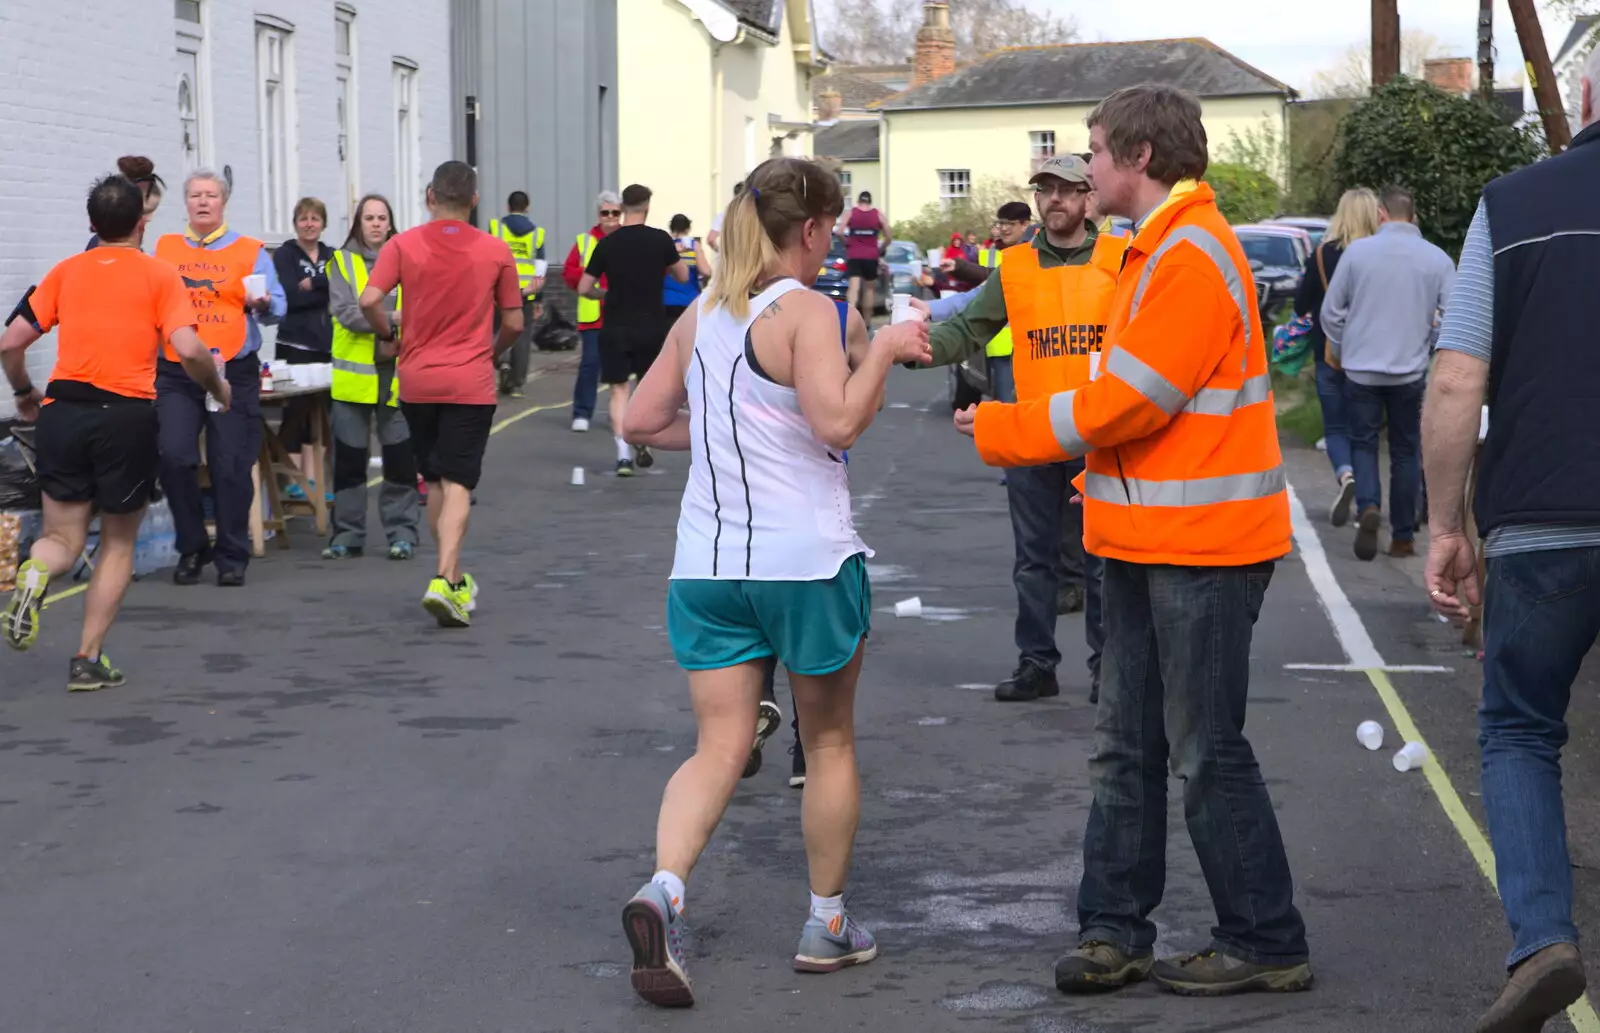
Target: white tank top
x=766, y=499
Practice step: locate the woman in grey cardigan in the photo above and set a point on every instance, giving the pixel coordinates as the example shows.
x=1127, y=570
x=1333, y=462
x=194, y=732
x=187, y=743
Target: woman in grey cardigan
x=364, y=394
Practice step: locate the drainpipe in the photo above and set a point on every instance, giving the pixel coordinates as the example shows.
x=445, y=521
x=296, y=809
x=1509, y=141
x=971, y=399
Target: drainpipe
x=717, y=128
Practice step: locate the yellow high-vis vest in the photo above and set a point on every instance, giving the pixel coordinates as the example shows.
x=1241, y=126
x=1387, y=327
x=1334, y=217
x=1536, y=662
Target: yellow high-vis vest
x=999, y=345
x=523, y=249
x=355, y=355
x=588, y=308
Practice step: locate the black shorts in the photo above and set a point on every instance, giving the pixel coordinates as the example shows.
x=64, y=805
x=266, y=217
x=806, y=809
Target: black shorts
x=862, y=268
x=449, y=440
x=629, y=350
x=105, y=453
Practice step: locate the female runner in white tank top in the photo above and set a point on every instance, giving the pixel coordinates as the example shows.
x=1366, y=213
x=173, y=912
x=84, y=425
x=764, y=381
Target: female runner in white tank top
x=768, y=563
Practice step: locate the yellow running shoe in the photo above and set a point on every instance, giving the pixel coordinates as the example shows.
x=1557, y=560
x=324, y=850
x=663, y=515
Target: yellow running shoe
x=19, y=622
x=448, y=604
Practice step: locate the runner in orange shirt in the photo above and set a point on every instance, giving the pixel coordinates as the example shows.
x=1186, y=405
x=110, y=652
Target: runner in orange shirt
x=114, y=306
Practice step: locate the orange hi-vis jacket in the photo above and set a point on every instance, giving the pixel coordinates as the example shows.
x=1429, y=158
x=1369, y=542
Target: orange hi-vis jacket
x=1057, y=317
x=1178, y=427
x=216, y=288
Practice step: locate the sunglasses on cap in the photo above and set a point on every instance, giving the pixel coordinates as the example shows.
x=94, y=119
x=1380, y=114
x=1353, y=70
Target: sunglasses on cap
x=611, y=211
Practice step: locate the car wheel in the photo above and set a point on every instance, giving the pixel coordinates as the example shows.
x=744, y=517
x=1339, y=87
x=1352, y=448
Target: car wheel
x=962, y=394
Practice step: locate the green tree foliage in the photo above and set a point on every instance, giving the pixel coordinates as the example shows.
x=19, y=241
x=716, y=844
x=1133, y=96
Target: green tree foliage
x=1260, y=147
x=1442, y=148
x=1243, y=194
x=1313, y=140
x=933, y=225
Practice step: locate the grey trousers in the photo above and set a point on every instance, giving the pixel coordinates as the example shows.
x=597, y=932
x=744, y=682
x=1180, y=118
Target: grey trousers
x=399, y=506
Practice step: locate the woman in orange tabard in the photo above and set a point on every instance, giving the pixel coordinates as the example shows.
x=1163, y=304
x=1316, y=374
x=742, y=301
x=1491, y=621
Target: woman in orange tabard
x=214, y=262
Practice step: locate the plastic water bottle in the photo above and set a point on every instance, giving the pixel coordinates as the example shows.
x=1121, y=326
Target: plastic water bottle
x=212, y=405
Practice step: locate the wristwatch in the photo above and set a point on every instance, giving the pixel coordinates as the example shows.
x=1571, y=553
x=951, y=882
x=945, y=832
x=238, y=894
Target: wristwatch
x=22, y=392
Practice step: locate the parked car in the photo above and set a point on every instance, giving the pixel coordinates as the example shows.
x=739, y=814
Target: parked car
x=834, y=280
x=1314, y=225
x=969, y=381
x=1278, y=261
x=901, y=256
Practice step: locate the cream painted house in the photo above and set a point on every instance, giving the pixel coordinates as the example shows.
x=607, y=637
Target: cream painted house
x=707, y=90
x=853, y=144
x=995, y=119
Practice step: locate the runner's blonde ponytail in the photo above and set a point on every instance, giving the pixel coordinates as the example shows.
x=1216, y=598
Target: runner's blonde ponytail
x=780, y=195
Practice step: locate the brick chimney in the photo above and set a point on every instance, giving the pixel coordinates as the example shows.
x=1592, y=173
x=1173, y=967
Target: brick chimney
x=829, y=103
x=936, y=44
x=1450, y=74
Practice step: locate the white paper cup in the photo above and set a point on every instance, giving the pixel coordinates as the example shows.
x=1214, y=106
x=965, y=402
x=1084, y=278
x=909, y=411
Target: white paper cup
x=577, y=476
x=909, y=607
x=255, y=286
x=540, y=267
x=916, y=271
x=1370, y=734
x=1411, y=757
x=903, y=312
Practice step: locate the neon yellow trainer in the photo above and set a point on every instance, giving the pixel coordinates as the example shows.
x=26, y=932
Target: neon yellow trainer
x=19, y=622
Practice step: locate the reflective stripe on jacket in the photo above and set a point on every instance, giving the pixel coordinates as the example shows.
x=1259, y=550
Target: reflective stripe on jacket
x=524, y=248
x=355, y=356
x=1179, y=430
x=588, y=308
x=1058, y=316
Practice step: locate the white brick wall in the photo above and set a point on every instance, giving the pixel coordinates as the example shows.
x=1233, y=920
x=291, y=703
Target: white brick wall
x=85, y=81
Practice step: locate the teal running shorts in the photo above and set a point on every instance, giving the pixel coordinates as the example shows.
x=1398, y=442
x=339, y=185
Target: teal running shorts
x=812, y=627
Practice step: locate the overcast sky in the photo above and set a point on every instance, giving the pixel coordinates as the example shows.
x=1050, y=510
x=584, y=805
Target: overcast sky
x=1293, y=39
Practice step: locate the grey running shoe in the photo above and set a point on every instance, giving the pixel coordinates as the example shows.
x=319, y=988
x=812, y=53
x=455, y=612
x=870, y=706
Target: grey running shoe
x=768, y=718
x=655, y=932
x=1214, y=974
x=87, y=675
x=1096, y=967
x=1339, y=512
x=832, y=945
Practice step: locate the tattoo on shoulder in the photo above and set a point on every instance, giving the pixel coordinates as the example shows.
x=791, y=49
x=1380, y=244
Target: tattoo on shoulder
x=772, y=310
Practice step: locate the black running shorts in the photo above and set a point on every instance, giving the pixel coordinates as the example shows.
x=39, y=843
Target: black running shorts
x=449, y=440
x=862, y=268
x=100, y=452
x=629, y=350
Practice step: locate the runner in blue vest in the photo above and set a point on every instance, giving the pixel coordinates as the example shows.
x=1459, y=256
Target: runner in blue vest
x=678, y=295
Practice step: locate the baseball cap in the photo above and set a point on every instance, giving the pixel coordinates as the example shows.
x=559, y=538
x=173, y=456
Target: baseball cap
x=1069, y=167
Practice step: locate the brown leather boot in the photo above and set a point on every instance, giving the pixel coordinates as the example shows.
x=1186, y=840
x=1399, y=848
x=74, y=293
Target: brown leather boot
x=1538, y=989
x=1401, y=549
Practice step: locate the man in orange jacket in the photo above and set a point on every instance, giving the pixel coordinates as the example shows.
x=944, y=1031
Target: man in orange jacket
x=1185, y=498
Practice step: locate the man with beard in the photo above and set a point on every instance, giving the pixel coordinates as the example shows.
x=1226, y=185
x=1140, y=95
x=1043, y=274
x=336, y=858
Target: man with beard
x=1051, y=299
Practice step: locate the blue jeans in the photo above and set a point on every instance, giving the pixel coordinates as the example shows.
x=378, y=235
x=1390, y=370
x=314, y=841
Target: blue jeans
x=1335, y=421
x=1402, y=403
x=1094, y=624
x=1541, y=615
x=586, y=392
x=1038, y=496
x=1176, y=681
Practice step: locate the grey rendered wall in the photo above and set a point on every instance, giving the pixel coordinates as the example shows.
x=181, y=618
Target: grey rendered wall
x=544, y=74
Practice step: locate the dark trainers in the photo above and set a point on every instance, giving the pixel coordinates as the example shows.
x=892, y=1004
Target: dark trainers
x=797, y=770
x=1096, y=967
x=655, y=932
x=1213, y=974
x=1339, y=512
x=87, y=675
x=642, y=456
x=1028, y=682
x=1069, y=599
x=188, y=569
x=1538, y=989
x=624, y=467
x=768, y=718
x=1367, y=533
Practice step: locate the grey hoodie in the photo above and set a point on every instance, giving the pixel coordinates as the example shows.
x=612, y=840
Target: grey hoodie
x=1384, y=305
x=342, y=300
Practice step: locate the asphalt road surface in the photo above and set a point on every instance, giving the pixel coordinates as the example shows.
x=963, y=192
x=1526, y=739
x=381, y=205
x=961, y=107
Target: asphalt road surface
x=311, y=810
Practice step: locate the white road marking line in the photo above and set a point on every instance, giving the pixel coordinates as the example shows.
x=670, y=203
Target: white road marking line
x=1389, y=668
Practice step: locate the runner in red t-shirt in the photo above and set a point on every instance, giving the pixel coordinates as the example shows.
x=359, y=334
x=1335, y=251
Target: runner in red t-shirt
x=862, y=229
x=453, y=276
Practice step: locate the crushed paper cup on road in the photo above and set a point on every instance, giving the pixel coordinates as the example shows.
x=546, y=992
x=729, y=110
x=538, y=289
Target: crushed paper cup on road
x=255, y=286
x=1370, y=734
x=577, y=476
x=1411, y=757
x=909, y=607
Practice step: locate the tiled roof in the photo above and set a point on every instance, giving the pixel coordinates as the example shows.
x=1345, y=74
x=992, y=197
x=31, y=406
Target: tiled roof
x=766, y=15
x=1086, y=73
x=1581, y=28
x=856, y=91
x=855, y=140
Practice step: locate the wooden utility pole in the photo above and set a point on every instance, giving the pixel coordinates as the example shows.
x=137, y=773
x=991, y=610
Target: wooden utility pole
x=1385, y=41
x=1486, y=49
x=1545, y=93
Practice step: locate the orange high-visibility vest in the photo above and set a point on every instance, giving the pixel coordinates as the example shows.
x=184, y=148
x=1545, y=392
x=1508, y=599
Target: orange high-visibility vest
x=1058, y=317
x=1182, y=445
x=216, y=289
